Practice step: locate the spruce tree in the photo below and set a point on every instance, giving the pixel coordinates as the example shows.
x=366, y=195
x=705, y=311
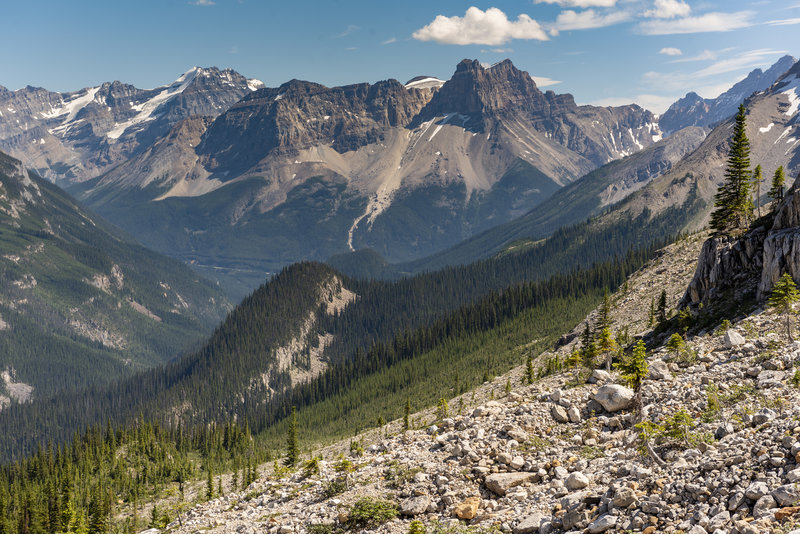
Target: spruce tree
x=292, y=448
x=675, y=343
x=783, y=296
x=662, y=306
x=606, y=345
x=407, y=414
x=733, y=205
x=634, y=369
x=529, y=372
x=776, y=191
x=757, y=179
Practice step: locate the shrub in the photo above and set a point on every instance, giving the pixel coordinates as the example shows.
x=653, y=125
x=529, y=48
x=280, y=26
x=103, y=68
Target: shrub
x=370, y=512
x=335, y=487
x=416, y=527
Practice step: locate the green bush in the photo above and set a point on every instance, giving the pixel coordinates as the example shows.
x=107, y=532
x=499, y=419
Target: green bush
x=370, y=512
x=335, y=487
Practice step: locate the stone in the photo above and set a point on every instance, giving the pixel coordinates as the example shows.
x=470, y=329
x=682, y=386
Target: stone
x=575, y=517
x=763, y=416
x=756, y=490
x=468, y=508
x=574, y=414
x=603, y=523
x=763, y=506
x=600, y=376
x=723, y=430
x=787, y=512
x=793, y=476
x=500, y=483
x=770, y=379
x=530, y=524
x=415, y=505
x=613, y=397
x=559, y=414
x=732, y=339
x=659, y=370
x=718, y=521
x=623, y=497
x=576, y=481
x=517, y=462
x=504, y=458
x=787, y=495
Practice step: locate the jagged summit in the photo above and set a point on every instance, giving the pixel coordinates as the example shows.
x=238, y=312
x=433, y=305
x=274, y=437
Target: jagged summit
x=693, y=110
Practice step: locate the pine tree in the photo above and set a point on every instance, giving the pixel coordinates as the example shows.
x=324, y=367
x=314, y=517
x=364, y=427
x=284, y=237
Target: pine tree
x=209, y=485
x=661, y=310
x=407, y=414
x=783, y=296
x=529, y=372
x=776, y=191
x=606, y=345
x=675, y=343
x=588, y=346
x=757, y=179
x=733, y=205
x=292, y=448
x=634, y=370
x=604, y=313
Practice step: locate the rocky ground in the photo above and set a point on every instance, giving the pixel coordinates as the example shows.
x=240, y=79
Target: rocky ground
x=724, y=439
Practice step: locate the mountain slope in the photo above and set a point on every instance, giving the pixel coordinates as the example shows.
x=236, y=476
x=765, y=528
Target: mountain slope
x=692, y=110
x=77, y=135
x=403, y=169
x=80, y=303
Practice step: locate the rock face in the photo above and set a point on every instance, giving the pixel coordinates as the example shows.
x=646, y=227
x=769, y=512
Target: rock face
x=751, y=264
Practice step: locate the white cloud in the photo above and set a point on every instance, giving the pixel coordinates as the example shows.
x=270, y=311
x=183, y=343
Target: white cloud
x=705, y=55
x=579, y=3
x=670, y=51
x=784, y=22
x=350, y=29
x=584, y=20
x=710, y=22
x=542, y=81
x=738, y=64
x=498, y=51
x=668, y=9
x=389, y=41
x=491, y=27
x=202, y=3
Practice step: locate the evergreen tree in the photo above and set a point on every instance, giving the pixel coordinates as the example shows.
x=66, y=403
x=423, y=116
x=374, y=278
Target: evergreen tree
x=292, y=447
x=776, y=191
x=606, y=345
x=634, y=370
x=651, y=317
x=98, y=516
x=783, y=296
x=604, y=313
x=529, y=372
x=407, y=414
x=675, y=343
x=588, y=346
x=733, y=205
x=209, y=485
x=757, y=179
x=661, y=310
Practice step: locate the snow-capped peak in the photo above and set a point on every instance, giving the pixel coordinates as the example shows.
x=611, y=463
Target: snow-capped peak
x=428, y=82
x=254, y=84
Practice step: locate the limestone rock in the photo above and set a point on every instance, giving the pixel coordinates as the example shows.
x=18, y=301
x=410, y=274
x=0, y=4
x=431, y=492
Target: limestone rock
x=732, y=339
x=614, y=397
x=415, y=505
x=603, y=523
x=787, y=495
x=468, y=508
x=530, y=524
x=559, y=414
x=576, y=481
x=659, y=370
x=500, y=483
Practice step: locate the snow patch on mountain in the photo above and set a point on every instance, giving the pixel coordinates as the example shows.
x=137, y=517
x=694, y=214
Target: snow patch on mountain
x=147, y=109
x=766, y=128
x=73, y=107
x=792, y=92
x=255, y=85
x=428, y=82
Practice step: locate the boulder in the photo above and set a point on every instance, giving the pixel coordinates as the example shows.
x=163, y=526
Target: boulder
x=559, y=414
x=613, y=397
x=659, y=370
x=576, y=481
x=415, y=505
x=787, y=495
x=600, y=376
x=467, y=509
x=500, y=483
x=529, y=525
x=732, y=339
x=603, y=523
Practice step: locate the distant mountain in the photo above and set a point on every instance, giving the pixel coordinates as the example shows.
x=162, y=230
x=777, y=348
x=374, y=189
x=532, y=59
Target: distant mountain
x=77, y=135
x=693, y=110
x=80, y=303
x=305, y=171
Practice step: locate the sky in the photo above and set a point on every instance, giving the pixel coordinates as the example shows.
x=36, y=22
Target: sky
x=604, y=52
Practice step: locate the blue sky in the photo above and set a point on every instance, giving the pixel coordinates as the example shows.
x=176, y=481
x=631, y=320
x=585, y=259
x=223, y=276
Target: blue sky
x=602, y=51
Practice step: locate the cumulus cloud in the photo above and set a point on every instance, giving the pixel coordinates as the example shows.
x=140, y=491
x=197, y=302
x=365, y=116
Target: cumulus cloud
x=670, y=51
x=579, y=3
x=491, y=27
x=668, y=9
x=584, y=20
x=710, y=22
